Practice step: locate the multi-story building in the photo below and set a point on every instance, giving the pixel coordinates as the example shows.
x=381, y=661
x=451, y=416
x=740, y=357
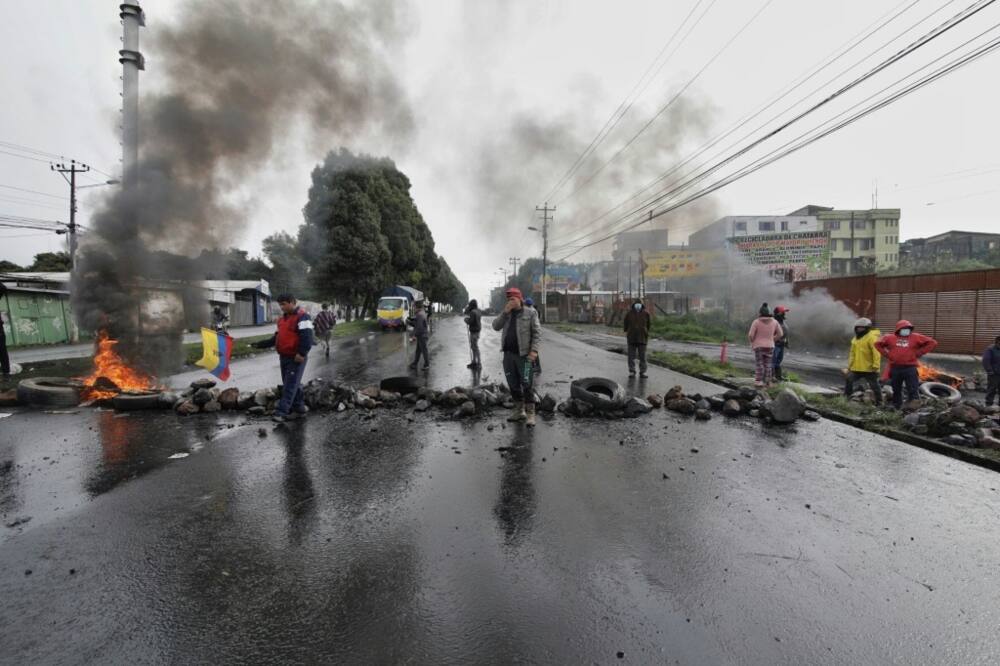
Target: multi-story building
x=861, y=241
x=950, y=246
x=715, y=235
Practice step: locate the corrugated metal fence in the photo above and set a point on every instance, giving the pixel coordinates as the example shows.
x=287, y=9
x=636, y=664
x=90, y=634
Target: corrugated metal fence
x=960, y=310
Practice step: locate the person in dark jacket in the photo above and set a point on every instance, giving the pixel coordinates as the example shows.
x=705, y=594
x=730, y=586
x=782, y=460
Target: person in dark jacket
x=637, y=324
x=991, y=364
x=903, y=349
x=781, y=344
x=293, y=340
x=4, y=357
x=474, y=320
x=421, y=332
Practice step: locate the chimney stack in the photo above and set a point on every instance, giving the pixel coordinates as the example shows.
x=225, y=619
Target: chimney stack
x=132, y=61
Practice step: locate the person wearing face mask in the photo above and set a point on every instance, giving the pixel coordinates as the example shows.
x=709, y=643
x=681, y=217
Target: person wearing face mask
x=903, y=350
x=520, y=333
x=637, y=324
x=864, y=361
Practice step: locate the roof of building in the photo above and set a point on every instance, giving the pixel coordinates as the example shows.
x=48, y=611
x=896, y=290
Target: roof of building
x=236, y=285
x=30, y=276
x=945, y=234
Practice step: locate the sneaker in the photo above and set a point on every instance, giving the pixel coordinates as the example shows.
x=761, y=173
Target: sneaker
x=643, y=375
x=279, y=418
x=471, y=366
x=427, y=367
x=631, y=373
x=413, y=366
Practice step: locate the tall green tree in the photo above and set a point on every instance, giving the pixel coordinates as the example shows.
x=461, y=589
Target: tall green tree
x=289, y=269
x=51, y=262
x=9, y=266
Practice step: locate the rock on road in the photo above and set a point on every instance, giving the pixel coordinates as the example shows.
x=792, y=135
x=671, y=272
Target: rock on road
x=343, y=540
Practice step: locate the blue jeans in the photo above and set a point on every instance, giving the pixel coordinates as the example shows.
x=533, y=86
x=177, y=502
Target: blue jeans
x=899, y=375
x=291, y=382
x=779, y=356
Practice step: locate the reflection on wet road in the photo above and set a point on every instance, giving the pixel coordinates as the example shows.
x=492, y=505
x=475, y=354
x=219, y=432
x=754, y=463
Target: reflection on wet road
x=419, y=539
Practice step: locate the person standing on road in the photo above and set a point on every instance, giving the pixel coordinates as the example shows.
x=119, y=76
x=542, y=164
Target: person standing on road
x=325, y=321
x=519, y=343
x=421, y=331
x=4, y=356
x=864, y=361
x=637, y=325
x=764, y=332
x=903, y=349
x=781, y=344
x=991, y=364
x=474, y=320
x=292, y=341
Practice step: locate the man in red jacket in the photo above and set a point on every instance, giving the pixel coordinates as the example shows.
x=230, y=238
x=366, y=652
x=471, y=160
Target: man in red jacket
x=903, y=349
x=292, y=341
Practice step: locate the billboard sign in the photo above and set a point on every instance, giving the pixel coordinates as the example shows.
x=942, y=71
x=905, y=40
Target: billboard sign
x=684, y=263
x=805, y=254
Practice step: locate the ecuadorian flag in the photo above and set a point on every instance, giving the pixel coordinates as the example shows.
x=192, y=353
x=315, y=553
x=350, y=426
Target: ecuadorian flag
x=218, y=348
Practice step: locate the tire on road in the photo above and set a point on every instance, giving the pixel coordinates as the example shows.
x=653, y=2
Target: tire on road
x=131, y=403
x=603, y=394
x=939, y=391
x=48, y=392
x=400, y=384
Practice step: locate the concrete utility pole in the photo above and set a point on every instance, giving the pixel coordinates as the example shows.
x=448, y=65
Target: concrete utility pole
x=132, y=62
x=546, y=218
x=513, y=262
x=73, y=169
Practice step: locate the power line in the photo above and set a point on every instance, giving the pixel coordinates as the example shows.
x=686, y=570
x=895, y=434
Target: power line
x=29, y=202
x=626, y=104
x=44, y=194
x=35, y=154
x=762, y=162
x=691, y=179
x=836, y=55
x=669, y=103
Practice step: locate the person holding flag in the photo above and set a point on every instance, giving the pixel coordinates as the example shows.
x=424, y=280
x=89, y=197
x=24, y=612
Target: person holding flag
x=293, y=340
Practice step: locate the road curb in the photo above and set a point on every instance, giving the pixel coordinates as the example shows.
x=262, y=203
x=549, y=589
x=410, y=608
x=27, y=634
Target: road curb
x=932, y=445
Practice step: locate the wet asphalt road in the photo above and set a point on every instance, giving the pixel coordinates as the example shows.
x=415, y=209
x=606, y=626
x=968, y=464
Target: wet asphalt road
x=342, y=540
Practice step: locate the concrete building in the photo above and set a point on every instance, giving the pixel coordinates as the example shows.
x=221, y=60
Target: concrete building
x=715, y=235
x=949, y=246
x=35, y=309
x=861, y=241
x=629, y=243
x=245, y=302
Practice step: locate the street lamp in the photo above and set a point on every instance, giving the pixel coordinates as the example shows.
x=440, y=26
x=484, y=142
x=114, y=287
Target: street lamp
x=107, y=182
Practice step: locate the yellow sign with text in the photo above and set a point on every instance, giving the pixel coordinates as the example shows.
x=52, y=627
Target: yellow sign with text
x=683, y=263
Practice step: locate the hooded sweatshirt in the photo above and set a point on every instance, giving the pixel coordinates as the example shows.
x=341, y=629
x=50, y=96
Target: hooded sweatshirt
x=905, y=351
x=864, y=357
x=637, y=323
x=763, y=332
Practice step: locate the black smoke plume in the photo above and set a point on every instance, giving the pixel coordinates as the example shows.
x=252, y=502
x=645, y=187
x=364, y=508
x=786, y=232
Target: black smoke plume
x=239, y=77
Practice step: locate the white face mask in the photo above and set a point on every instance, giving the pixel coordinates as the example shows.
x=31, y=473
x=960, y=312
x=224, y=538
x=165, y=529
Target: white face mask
x=636, y=307
x=905, y=332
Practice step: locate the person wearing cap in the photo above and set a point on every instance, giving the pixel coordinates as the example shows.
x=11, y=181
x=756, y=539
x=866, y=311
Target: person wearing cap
x=991, y=364
x=903, y=349
x=764, y=331
x=421, y=331
x=520, y=335
x=864, y=361
x=781, y=344
x=637, y=325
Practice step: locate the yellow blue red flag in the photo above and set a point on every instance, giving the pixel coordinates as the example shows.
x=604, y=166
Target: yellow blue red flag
x=218, y=348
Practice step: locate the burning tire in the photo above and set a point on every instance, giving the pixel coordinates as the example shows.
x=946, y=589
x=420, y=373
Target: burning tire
x=48, y=392
x=603, y=394
x=130, y=403
x=939, y=391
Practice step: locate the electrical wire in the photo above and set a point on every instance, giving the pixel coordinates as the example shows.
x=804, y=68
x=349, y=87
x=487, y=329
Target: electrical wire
x=626, y=104
x=669, y=103
x=831, y=59
x=922, y=41
x=44, y=194
x=954, y=65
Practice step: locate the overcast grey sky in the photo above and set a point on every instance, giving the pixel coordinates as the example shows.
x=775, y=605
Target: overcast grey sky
x=506, y=94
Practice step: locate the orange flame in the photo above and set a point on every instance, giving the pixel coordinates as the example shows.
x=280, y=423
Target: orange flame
x=928, y=373
x=110, y=365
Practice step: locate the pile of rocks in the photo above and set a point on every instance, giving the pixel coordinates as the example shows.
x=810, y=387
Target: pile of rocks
x=786, y=407
x=967, y=423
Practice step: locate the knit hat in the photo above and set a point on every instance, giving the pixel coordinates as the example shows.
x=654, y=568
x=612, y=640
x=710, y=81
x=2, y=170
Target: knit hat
x=764, y=311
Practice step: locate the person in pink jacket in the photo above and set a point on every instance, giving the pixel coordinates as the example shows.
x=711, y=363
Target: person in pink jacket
x=764, y=331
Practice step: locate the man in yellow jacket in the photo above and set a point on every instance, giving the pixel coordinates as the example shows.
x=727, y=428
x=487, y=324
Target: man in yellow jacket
x=864, y=361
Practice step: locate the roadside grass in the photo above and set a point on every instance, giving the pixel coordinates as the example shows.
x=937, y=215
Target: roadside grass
x=566, y=328
x=696, y=327
x=693, y=364
x=875, y=419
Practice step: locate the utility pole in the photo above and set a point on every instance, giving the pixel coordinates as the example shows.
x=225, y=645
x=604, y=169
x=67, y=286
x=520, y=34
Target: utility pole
x=73, y=169
x=546, y=218
x=513, y=261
